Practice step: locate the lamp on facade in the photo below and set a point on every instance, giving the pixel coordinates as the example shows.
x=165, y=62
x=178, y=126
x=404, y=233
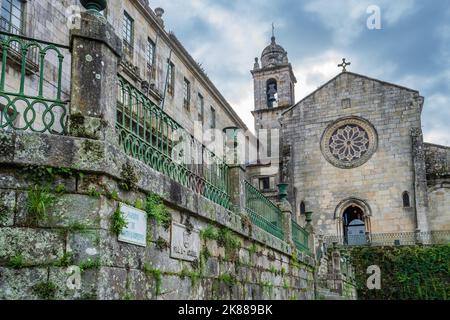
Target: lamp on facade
x=308, y=217
x=94, y=6
x=282, y=191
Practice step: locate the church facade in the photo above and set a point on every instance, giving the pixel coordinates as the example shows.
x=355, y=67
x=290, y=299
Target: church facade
x=352, y=153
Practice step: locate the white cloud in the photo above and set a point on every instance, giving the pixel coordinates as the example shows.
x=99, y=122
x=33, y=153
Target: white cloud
x=238, y=32
x=236, y=35
x=436, y=115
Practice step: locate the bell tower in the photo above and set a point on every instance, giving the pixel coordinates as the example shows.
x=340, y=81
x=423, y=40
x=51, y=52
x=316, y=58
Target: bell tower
x=274, y=84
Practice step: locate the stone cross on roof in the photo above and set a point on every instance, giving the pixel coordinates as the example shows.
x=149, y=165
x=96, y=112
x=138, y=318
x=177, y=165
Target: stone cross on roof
x=344, y=65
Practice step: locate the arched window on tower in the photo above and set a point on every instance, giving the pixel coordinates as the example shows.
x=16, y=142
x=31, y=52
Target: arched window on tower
x=302, y=208
x=272, y=93
x=406, y=200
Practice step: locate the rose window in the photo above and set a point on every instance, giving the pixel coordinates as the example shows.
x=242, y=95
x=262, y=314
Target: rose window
x=349, y=143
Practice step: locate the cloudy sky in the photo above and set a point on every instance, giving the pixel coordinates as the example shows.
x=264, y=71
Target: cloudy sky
x=412, y=48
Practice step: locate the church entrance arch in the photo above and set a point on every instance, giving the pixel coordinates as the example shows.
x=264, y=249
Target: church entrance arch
x=353, y=221
x=354, y=226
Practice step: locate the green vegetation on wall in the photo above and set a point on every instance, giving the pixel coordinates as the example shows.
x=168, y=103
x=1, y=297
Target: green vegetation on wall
x=155, y=208
x=416, y=272
x=118, y=222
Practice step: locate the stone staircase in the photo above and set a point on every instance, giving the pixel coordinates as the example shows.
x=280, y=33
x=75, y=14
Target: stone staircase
x=326, y=294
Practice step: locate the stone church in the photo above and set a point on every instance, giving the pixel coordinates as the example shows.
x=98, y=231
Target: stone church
x=352, y=153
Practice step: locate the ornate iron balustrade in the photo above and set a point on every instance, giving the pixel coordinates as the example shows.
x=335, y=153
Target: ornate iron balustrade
x=391, y=239
x=300, y=237
x=263, y=212
x=26, y=103
x=147, y=133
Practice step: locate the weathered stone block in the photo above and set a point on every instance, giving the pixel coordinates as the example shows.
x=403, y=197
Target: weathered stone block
x=18, y=284
x=35, y=246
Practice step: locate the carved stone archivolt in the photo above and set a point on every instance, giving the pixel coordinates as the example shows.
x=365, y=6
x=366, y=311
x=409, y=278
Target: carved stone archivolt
x=349, y=142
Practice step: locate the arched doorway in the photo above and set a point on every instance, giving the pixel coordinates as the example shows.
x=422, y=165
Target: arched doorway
x=354, y=225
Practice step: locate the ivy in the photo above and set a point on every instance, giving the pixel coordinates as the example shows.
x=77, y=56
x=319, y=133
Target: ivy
x=413, y=272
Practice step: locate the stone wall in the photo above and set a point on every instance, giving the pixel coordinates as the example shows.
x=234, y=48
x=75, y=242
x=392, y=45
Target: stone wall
x=41, y=255
x=393, y=111
x=437, y=160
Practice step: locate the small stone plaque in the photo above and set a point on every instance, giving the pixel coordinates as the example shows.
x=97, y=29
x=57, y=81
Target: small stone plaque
x=136, y=230
x=184, y=245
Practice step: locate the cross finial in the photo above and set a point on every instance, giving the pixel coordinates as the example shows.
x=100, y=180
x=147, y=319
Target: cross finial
x=273, y=30
x=344, y=65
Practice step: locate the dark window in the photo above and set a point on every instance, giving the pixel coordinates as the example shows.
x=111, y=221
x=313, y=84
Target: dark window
x=264, y=183
x=272, y=93
x=302, y=208
x=201, y=108
x=171, y=78
x=213, y=119
x=128, y=32
x=150, y=53
x=186, y=93
x=12, y=16
x=406, y=200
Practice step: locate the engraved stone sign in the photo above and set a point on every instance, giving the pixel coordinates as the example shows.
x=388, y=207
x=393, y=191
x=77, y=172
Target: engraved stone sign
x=136, y=230
x=184, y=245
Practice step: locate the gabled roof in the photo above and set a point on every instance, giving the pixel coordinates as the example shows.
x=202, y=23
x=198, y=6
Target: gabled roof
x=353, y=74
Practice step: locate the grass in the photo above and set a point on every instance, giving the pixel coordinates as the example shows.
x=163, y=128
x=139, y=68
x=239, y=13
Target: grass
x=39, y=200
x=228, y=279
x=45, y=290
x=89, y=264
x=16, y=262
x=156, y=275
x=65, y=261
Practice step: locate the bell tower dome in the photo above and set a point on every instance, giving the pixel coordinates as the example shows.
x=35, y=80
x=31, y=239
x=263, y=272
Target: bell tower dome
x=274, y=84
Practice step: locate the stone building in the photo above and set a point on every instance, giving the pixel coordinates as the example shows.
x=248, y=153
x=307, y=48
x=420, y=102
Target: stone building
x=94, y=200
x=352, y=152
x=154, y=60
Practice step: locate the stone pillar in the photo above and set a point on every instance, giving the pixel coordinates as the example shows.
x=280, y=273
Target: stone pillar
x=96, y=52
x=236, y=188
x=312, y=236
x=336, y=273
x=286, y=210
x=233, y=143
x=420, y=181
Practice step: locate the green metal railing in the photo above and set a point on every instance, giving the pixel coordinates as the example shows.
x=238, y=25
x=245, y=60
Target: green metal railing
x=263, y=212
x=34, y=102
x=300, y=237
x=147, y=133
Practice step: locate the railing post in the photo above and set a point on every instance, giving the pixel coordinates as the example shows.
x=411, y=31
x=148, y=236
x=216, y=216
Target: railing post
x=236, y=171
x=96, y=51
x=311, y=240
x=286, y=210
